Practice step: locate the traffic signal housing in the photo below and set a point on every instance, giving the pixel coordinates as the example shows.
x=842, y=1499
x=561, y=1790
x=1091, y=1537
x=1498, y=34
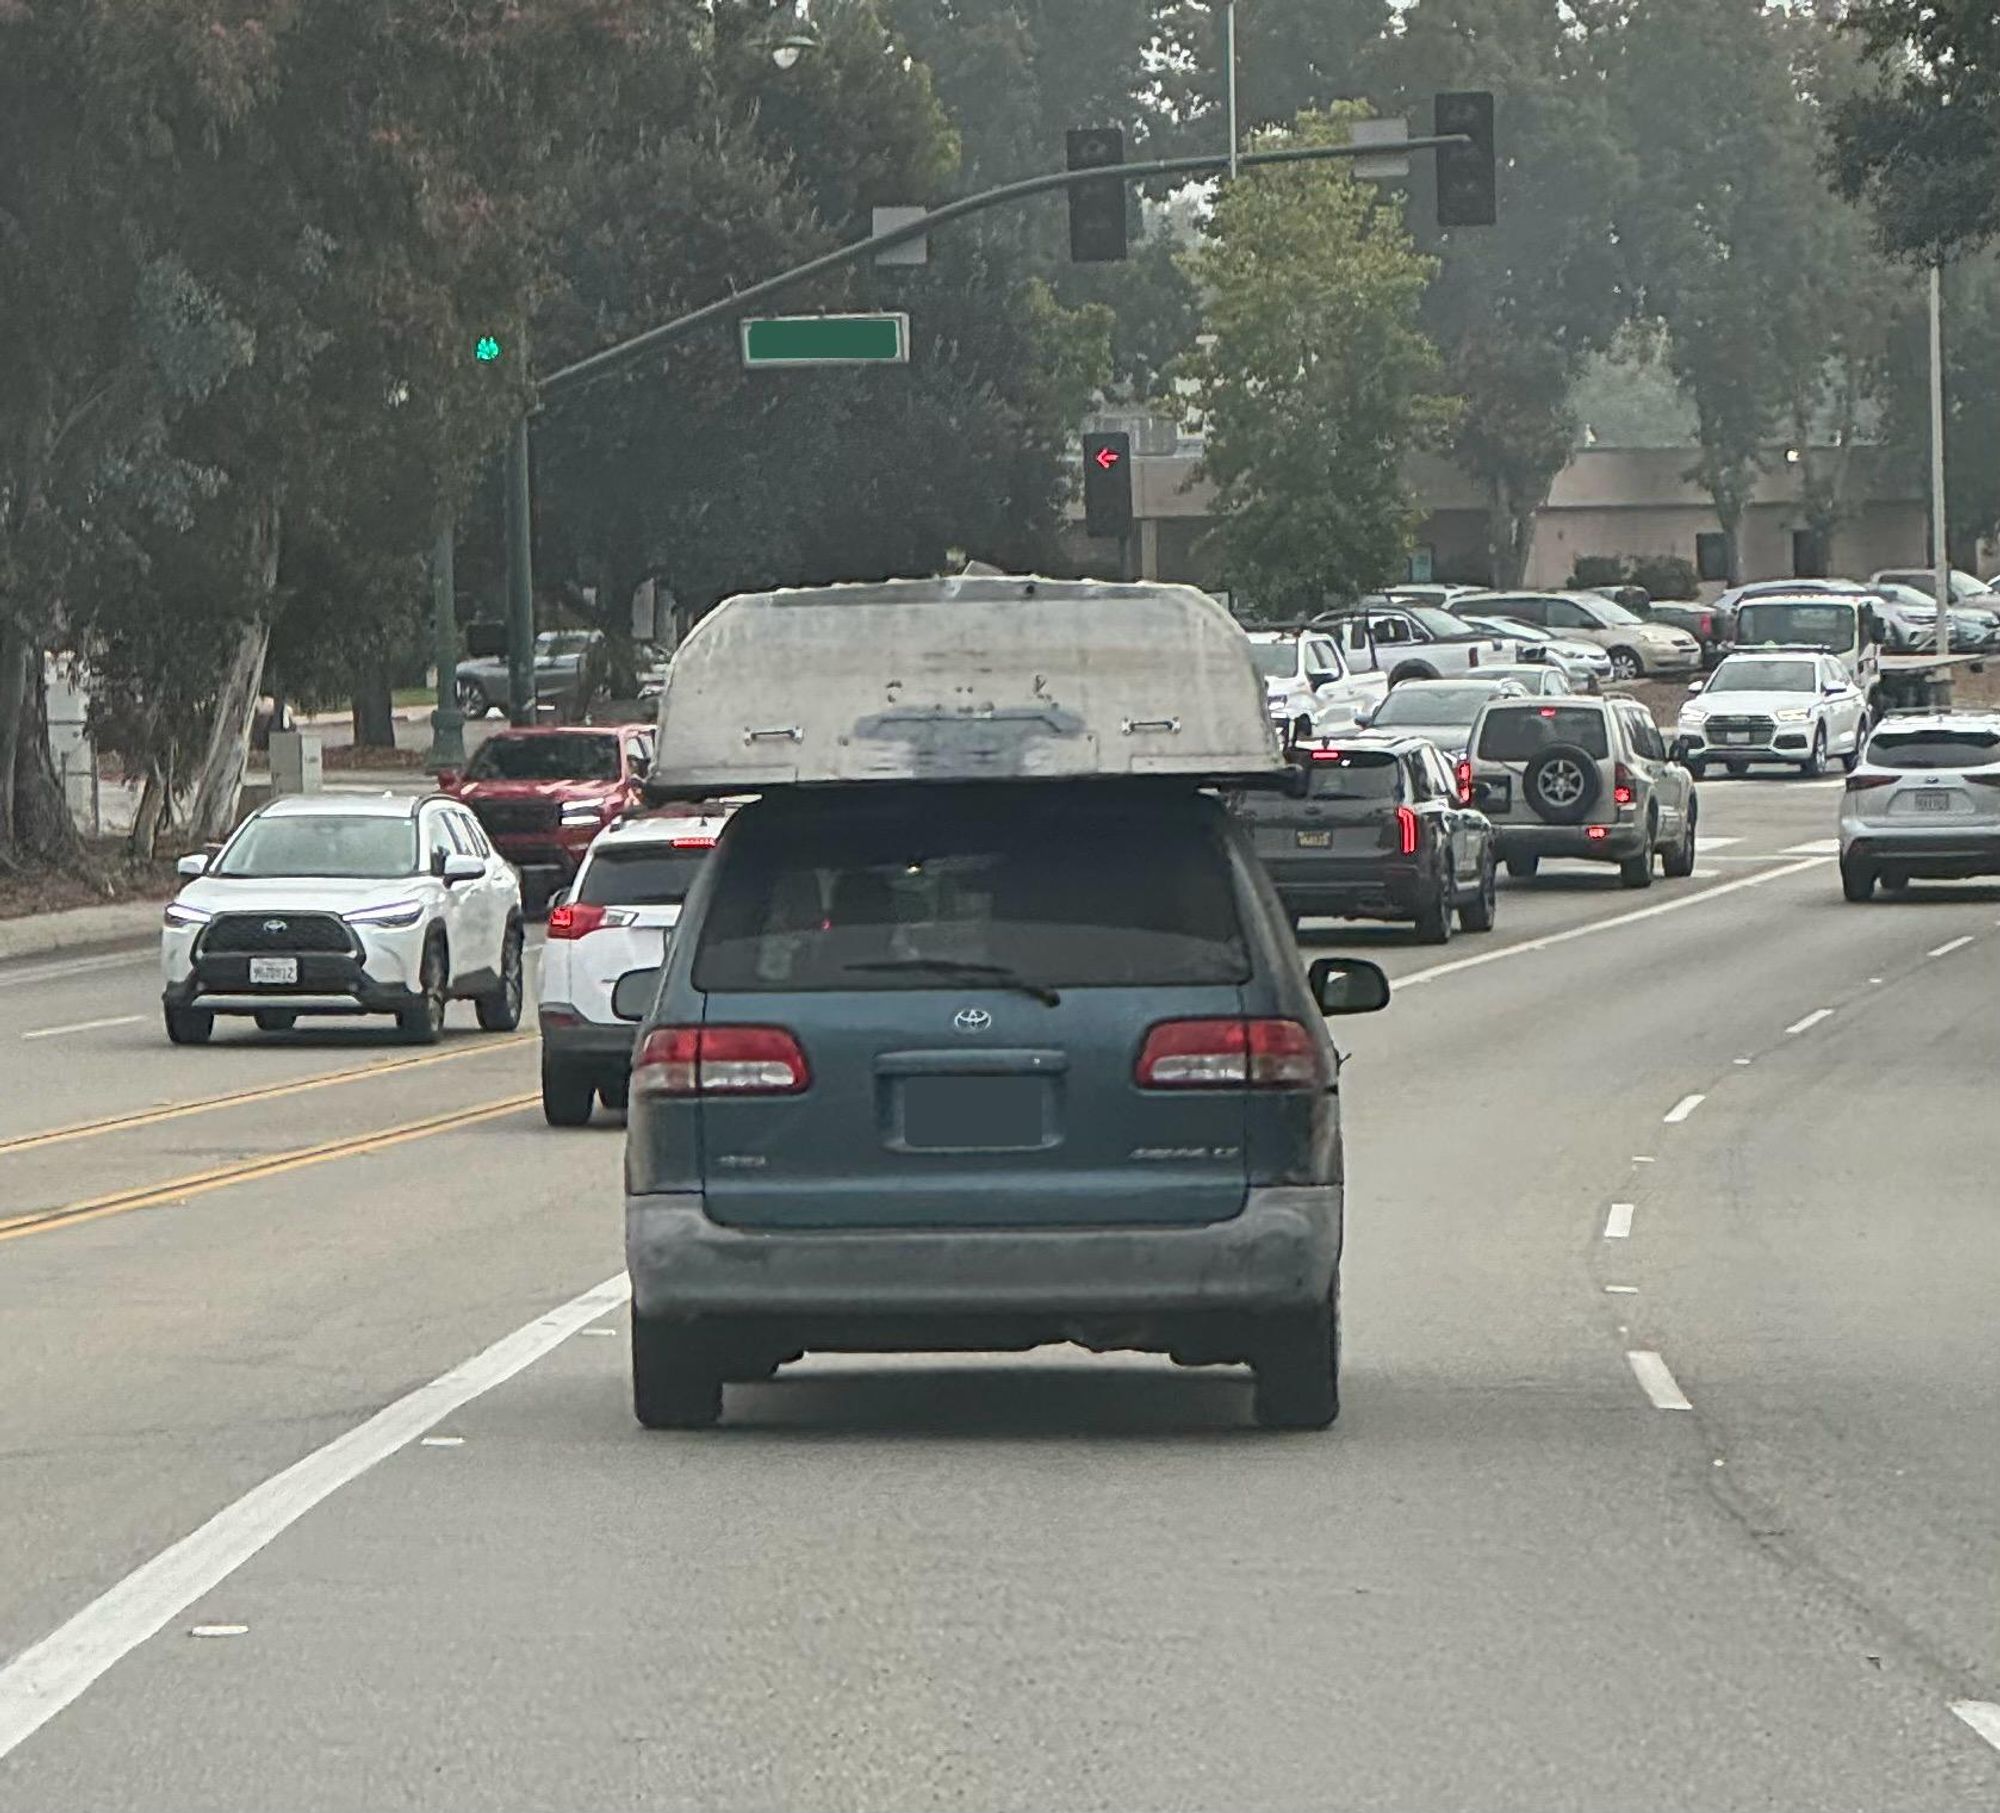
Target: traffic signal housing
x=1107, y=484
x=1467, y=182
x=1097, y=209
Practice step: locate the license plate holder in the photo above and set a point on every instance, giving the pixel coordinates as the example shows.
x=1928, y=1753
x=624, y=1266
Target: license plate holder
x=1315, y=840
x=973, y=1114
x=1934, y=802
x=1736, y=736
x=274, y=972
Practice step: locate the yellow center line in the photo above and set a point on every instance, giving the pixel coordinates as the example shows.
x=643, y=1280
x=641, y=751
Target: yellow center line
x=202, y=1183
x=173, y=1111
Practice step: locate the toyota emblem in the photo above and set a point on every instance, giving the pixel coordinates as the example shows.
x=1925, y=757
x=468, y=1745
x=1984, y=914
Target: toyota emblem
x=275, y=926
x=973, y=1019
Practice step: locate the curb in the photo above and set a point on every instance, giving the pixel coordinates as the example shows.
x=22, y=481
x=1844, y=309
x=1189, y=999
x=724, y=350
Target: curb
x=81, y=929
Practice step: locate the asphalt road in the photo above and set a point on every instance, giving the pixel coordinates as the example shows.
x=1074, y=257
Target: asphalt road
x=1669, y=1475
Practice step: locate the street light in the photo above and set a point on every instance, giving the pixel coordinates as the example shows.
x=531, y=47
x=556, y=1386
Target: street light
x=787, y=51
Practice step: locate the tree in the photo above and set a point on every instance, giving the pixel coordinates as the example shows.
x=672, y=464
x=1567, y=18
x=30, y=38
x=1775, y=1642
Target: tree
x=1517, y=310
x=1923, y=149
x=1317, y=383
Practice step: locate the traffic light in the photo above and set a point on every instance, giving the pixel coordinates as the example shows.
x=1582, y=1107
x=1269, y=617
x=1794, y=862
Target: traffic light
x=1466, y=182
x=1107, y=484
x=1097, y=209
x=487, y=349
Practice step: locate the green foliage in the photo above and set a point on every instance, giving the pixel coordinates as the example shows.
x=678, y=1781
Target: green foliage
x=1660, y=575
x=1318, y=381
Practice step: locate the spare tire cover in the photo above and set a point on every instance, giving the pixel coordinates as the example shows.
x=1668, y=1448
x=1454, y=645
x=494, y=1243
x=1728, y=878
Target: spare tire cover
x=1562, y=783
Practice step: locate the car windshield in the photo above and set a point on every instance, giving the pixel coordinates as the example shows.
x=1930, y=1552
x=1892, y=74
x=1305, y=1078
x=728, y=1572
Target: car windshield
x=1827, y=626
x=1608, y=611
x=351, y=847
x=562, y=756
x=1765, y=676
x=1275, y=660
x=1438, y=622
x=1456, y=706
x=640, y=874
x=1506, y=626
x=1067, y=895
x=1934, y=747
x=1519, y=733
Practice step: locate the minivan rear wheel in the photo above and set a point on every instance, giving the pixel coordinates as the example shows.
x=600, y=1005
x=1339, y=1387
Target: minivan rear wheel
x=1297, y=1367
x=675, y=1384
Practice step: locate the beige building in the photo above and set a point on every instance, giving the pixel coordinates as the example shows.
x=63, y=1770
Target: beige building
x=1607, y=502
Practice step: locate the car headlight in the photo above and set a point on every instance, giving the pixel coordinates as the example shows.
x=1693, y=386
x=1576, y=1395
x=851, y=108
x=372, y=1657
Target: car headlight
x=1792, y=717
x=1694, y=716
x=396, y=914
x=177, y=914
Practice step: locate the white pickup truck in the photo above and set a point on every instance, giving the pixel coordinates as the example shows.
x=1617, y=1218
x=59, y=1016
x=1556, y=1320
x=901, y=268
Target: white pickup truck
x=1306, y=676
x=1413, y=642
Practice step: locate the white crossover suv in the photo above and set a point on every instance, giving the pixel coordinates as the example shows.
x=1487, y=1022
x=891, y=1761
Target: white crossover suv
x=616, y=919
x=1923, y=804
x=322, y=904
x=1795, y=706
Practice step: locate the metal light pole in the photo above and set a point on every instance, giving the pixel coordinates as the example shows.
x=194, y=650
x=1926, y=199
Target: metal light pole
x=520, y=580
x=1940, y=548
x=1229, y=85
x=447, y=721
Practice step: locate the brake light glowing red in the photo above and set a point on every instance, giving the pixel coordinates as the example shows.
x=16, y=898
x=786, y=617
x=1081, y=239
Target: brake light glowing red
x=1406, y=831
x=720, y=1060
x=693, y=843
x=1465, y=781
x=1548, y=711
x=1622, y=789
x=1329, y=755
x=574, y=919
x=1229, y=1054
x=1598, y=833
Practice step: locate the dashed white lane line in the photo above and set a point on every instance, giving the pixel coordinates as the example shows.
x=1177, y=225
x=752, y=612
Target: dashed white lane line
x=1618, y=1224
x=1809, y=1022
x=1657, y=1382
x=1593, y=927
x=57, y=1032
x=40, y=1681
x=1683, y=1108
x=1957, y=944
x=1983, y=1716
x=1820, y=846
x=1705, y=844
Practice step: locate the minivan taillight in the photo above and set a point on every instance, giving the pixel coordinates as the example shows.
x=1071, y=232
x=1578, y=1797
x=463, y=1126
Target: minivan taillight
x=1229, y=1054
x=720, y=1060
x=1622, y=789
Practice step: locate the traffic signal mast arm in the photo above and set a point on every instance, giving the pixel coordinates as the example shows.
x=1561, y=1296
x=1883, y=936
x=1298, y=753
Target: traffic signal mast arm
x=570, y=378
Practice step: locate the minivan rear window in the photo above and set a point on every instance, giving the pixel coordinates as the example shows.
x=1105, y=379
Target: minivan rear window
x=644, y=875
x=1519, y=733
x=1061, y=898
x=1934, y=748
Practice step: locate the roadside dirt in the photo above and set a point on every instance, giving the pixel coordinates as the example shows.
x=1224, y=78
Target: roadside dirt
x=104, y=876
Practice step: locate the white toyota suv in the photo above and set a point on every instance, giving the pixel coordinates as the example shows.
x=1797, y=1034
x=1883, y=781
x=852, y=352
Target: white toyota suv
x=324, y=904
x=615, y=919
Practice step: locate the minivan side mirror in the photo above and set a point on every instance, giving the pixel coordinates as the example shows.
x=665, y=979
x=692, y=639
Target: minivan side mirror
x=191, y=866
x=1348, y=985
x=632, y=997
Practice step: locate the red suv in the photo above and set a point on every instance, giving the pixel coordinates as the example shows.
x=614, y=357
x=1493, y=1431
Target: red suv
x=542, y=795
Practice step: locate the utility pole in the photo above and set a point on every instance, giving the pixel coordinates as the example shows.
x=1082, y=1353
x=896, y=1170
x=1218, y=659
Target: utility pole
x=520, y=579
x=1229, y=78
x=448, y=720
x=1940, y=547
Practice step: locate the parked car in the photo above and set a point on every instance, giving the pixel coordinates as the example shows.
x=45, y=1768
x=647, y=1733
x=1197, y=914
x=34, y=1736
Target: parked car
x=1911, y=620
x=1638, y=649
x=1966, y=588
x=566, y=662
x=618, y=917
x=1441, y=711
x=1924, y=803
x=1798, y=707
x=330, y=904
x=1588, y=779
x=1306, y=679
x=1539, y=680
x=544, y=794
x=1586, y=665
x=1697, y=620
x=1382, y=832
x=1412, y=642
x=1437, y=595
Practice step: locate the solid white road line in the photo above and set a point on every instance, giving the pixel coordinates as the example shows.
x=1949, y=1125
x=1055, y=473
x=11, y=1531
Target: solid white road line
x=1809, y=1022
x=1983, y=1716
x=1657, y=1382
x=1604, y=925
x=1683, y=1108
x=39, y=1682
x=1704, y=843
x=1957, y=944
x=56, y=1032
x=1618, y=1224
x=1820, y=846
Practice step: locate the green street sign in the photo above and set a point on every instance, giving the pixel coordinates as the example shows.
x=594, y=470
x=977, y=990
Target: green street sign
x=826, y=340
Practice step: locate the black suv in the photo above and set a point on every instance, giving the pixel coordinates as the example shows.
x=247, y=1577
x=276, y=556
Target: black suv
x=1382, y=832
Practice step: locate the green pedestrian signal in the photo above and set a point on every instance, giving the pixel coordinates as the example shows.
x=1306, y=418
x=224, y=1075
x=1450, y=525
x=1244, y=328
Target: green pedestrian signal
x=487, y=351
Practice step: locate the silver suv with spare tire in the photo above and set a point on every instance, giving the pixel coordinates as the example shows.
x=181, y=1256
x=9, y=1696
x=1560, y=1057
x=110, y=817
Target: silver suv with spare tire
x=1586, y=779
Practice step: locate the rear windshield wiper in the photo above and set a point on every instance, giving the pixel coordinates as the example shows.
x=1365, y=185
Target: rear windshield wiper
x=947, y=966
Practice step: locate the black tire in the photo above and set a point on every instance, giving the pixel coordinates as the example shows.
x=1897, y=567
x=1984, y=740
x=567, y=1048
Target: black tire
x=615, y=1092
x=500, y=1011
x=1523, y=868
x=1413, y=670
x=1434, y=911
x=1815, y=764
x=1562, y=784
x=1678, y=862
x=472, y=699
x=1698, y=769
x=568, y=1093
x=1626, y=665
x=422, y=1021
x=189, y=1025
x=675, y=1383
x=1297, y=1368
x=1477, y=913
x=275, y=1019
x=1857, y=879
x=1852, y=759
x=1637, y=871
x=1893, y=881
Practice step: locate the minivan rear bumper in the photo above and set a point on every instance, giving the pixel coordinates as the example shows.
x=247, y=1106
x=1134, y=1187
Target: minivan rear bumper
x=1281, y=1252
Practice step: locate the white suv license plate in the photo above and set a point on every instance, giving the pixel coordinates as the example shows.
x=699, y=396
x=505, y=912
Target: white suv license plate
x=1934, y=802
x=273, y=971
x=1736, y=736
